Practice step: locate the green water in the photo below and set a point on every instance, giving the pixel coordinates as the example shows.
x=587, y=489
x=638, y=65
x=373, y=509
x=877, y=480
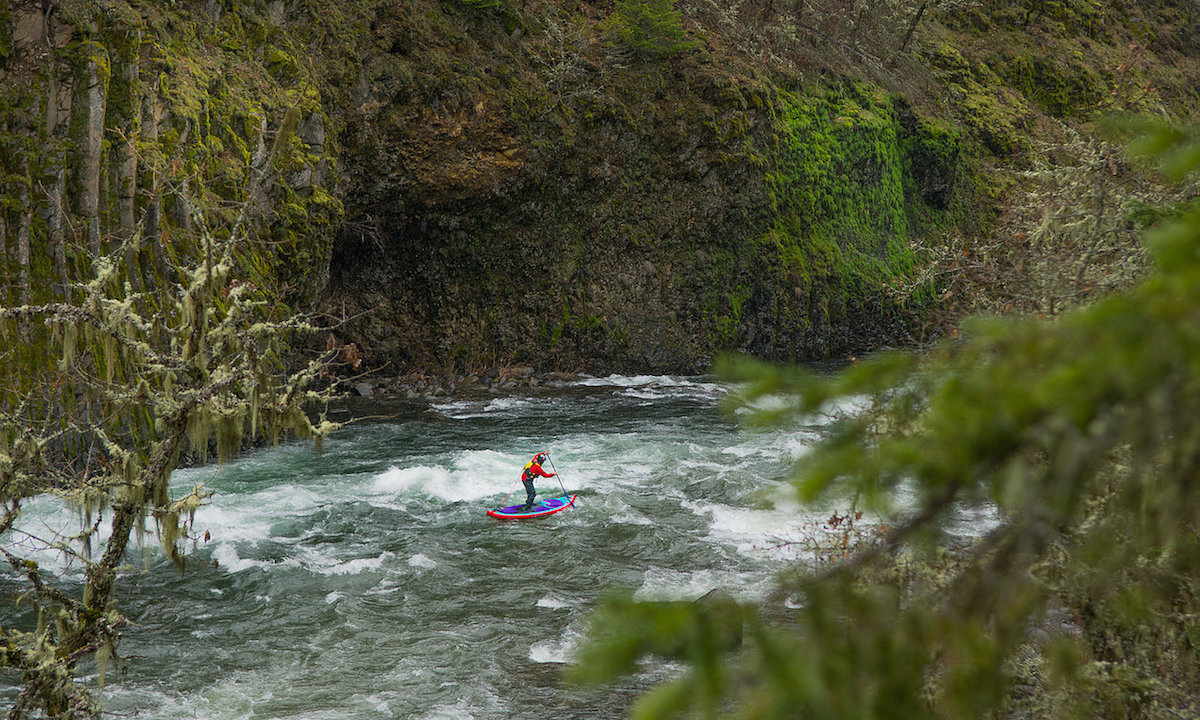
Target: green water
x=367, y=581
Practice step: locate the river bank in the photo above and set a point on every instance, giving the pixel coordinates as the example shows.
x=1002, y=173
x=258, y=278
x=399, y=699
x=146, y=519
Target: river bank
x=421, y=385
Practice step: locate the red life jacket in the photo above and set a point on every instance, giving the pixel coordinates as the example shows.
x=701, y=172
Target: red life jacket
x=532, y=469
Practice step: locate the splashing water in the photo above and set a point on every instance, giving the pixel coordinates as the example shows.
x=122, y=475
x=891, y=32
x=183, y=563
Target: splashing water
x=367, y=582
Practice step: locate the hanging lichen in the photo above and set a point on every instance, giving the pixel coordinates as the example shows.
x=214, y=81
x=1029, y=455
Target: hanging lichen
x=167, y=341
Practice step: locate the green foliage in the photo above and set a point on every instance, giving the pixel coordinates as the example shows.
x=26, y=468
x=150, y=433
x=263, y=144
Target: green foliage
x=700, y=632
x=6, y=41
x=1081, y=433
x=1061, y=88
x=842, y=167
x=651, y=28
x=483, y=5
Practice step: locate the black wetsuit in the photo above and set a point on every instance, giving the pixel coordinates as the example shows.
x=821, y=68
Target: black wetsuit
x=532, y=470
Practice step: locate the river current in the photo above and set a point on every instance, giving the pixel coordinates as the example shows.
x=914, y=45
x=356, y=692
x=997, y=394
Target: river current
x=366, y=581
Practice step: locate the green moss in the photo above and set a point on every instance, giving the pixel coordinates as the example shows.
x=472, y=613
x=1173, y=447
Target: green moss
x=933, y=174
x=650, y=28
x=279, y=61
x=1062, y=87
x=996, y=115
x=6, y=35
x=837, y=185
x=852, y=177
x=727, y=324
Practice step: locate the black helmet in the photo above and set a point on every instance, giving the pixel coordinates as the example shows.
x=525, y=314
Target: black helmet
x=541, y=457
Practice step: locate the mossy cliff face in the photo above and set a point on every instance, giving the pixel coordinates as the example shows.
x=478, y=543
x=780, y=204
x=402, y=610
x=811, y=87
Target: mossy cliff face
x=528, y=188
x=570, y=205
x=579, y=186
x=137, y=127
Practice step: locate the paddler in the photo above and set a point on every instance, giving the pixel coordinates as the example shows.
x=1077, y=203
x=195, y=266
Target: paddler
x=533, y=469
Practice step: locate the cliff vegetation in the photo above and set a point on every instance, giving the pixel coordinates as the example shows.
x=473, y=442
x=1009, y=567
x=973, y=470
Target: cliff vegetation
x=634, y=185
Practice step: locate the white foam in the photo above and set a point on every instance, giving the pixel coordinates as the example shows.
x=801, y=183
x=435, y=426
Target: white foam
x=422, y=561
x=491, y=470
x=548, y=652
x=429, y=481
x=759, y=534
x=506, y=404
x=378, y=704
x=227, y=555
x=796, y=444
x=460, y=710
x=386, y=586
x=649, y=381
x=741, y=451
x=396, y=481
x=468, y=409
x=474, y=475
x=643, y=394
x=828, y=413
x=558, y=651
x=233, y=518
x=320, y=563
x=349, y=567
x=628, y=381
x=666, y=584
x=630, y=517
x=552, y=603
x=229, y=519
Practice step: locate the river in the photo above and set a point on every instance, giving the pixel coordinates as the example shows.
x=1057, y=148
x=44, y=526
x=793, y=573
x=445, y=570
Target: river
x=366, y=581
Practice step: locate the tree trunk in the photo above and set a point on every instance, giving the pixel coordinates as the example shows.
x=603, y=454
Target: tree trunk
x=24, y=274
x=57, y=180
x=153, y=478
x=54, y=226
x=913, y=27
x=91, y=108
x=152, y=229
x=126, y=170
x=3, y=256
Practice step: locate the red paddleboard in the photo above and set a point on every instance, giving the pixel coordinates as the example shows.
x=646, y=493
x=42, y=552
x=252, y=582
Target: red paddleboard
x=539, y=509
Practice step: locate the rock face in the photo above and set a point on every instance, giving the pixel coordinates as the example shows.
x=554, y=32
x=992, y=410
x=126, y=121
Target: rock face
x=466, y=184
x=131, y=131
x=643, y=248
x=569, y=207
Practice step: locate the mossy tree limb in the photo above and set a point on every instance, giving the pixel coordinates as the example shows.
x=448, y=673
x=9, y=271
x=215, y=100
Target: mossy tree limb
x=133, y=380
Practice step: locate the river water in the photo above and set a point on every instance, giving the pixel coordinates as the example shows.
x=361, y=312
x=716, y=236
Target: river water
x=366, y=581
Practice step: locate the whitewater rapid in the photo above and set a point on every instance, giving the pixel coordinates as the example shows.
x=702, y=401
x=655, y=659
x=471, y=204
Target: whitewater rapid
x=366, y=581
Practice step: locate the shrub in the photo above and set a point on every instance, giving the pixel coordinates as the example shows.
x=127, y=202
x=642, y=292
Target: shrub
x=651, y=28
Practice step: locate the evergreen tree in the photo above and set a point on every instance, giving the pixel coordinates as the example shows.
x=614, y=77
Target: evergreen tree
x=651, y=28
x=1082, y=602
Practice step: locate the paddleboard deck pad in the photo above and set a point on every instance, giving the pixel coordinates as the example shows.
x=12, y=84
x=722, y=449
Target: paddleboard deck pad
x=541, y=508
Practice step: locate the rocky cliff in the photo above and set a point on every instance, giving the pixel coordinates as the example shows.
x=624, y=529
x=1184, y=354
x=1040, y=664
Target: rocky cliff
x=629, y=185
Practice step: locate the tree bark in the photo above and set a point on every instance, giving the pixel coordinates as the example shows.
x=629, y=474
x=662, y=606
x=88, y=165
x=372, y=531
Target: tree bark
x=56, y=180
x=3, y=256
x=54, y=227
x=912, y=27
x=91, y=142
x=126, y=170
x=24, y=275
x=152, y=230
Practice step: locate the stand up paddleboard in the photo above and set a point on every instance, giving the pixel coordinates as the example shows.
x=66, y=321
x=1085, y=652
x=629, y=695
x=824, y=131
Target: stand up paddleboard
x=539, y=509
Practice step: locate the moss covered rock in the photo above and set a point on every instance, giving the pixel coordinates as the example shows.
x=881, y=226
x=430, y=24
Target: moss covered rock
x=481, y=183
